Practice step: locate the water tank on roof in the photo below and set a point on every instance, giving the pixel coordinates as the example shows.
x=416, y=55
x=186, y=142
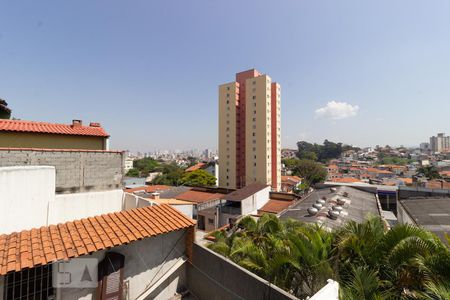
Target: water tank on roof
x=312, y=211
x=317, y=205
x=333, y=214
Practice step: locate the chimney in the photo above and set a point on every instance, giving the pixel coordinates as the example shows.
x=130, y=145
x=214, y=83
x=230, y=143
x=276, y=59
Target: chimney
x=94, y=124
x=77, y=123
x=155, y=196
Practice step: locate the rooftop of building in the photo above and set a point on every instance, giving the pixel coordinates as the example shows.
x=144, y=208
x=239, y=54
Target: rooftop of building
x=148, y=188
x=285, y=178
x=196, y=167
x=438, y=184
x=40, y=246
x=432, y=213
x=346, y=180
x=275, y=206
x=245, y=192
x=199, y=196
x=76, y=128
x=358, y=204
x=171, y=201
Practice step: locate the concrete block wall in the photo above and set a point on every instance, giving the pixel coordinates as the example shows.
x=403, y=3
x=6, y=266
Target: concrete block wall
x=76, y=170
x=211, y=276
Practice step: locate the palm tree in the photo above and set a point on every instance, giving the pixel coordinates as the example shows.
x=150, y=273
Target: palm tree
x=406, y=262
x=404, y=259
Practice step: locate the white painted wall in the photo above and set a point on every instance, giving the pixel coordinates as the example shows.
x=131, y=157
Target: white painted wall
x=69, y=207
x=328, y=292
x=251, y=204
x=402, y=216
x=187, y=209
x=25, y=192
x=132, y=201
x=146, y=261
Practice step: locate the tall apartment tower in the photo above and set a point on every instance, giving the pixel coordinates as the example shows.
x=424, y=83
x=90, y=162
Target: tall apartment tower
x=249, y=131
x=440, y=143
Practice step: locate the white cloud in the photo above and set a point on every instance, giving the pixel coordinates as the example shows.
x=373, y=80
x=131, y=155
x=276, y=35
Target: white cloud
x=337, y=110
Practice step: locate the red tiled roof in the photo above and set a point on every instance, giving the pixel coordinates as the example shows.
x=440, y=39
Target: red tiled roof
x=275, y=206
x=42, y=127
x=445, y=173
x=30, y=248
x=291, y=178
x=57, y=150
x=374, y=170
x=438, y=184
x=195, y=167
x=198, y=196
x=407, y=181
x=345, y=180
x=149, y=188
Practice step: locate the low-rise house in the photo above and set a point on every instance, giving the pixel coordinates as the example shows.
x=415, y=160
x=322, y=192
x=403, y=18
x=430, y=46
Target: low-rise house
x=378, y=173
x=278, y=203
x=211, y=167
x=437, y=184
x=147, y=189
x=242, y=202
x=31, y=134
x=196, y=167
x=289, y=183
x=346, y=180
x=140, y=253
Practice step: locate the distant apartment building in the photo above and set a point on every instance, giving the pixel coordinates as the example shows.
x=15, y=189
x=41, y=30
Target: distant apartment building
x=31, y=134
x=128, y=164
x=250, y=131
x=440, y=143
x=424, y=147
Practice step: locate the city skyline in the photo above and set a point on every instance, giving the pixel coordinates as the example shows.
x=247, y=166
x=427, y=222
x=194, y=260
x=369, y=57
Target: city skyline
x=153, y=83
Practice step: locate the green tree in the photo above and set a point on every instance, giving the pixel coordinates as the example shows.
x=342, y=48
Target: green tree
x=311, y=172
x=133, y=173
x=406, y=262
x=430, y=172
x=171, y=175
x=308, y=155
x=5, y=111
x=192, y=161
x=328, y=150
x=290, y=163
x=145, y=165
x=198, y=178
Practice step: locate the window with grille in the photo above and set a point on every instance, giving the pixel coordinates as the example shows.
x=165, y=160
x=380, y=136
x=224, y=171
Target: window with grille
x=34, y=283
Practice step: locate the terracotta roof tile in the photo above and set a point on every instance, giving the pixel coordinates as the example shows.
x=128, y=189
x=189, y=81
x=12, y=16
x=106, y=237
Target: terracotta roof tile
x=41, y=246
x=196, y=167
x=346, y=180
x=275, y=206
x=149, y=188
x=43, y=127
x=199, y=196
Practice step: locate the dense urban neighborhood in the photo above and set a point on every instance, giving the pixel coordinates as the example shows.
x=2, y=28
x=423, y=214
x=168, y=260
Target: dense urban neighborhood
x=220, y=150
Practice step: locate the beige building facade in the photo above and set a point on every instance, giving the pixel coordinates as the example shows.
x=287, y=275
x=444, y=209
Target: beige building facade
x=249, y=131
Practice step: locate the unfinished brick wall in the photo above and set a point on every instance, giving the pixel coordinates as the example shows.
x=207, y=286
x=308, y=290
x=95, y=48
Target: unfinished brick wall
x=76, y=171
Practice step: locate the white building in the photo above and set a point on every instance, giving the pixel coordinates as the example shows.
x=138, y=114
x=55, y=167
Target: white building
x=136, y=258
x=440, y=143
x=128, y=164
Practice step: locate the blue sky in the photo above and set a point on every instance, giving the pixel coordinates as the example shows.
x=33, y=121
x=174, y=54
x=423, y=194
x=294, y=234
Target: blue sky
x=148, y=71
